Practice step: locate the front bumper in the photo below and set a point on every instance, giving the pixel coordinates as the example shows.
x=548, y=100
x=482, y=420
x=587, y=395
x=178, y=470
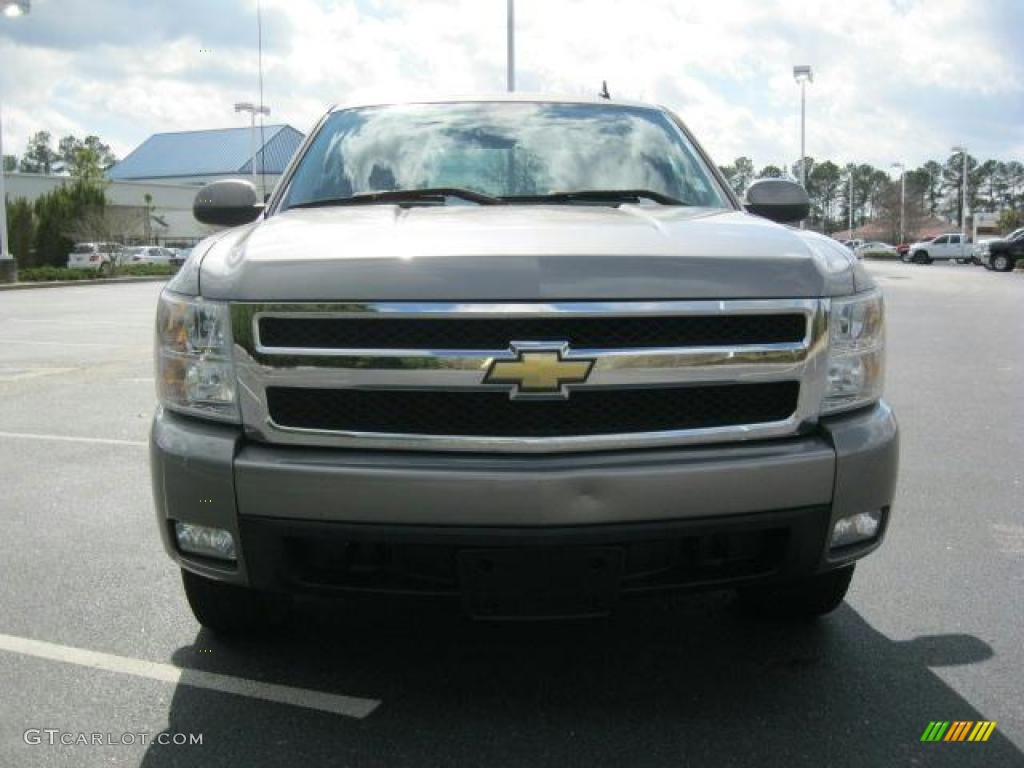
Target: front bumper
x=311, y=519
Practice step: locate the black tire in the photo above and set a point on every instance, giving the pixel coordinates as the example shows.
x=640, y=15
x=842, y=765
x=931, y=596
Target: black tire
x=105, y=269
x=1001, y=263
x=227, y=609
x=922, y=257
x=805, y=598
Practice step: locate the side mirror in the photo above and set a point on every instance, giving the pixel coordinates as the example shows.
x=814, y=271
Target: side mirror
x=227, y=203
x=777, y=199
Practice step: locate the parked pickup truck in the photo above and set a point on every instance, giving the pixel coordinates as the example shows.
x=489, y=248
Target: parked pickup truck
x=1003, y=254
x=944, y=247
x=530, y=354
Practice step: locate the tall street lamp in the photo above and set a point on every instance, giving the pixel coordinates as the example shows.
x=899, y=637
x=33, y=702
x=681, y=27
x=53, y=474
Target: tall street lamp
x=253, y=110
x=849, y=204
x=803, y=75
x=903, y=194
x=8, y=267
x=962, y=149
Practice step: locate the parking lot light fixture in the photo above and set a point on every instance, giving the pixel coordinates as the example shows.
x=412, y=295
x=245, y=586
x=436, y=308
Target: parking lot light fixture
x=14, y=8
x=8, y=268
x=253, y=110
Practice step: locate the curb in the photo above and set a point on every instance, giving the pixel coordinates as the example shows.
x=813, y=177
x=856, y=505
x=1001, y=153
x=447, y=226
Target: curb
x=100, y=281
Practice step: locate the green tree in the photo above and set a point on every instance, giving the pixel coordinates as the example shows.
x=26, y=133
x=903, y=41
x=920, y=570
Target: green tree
x=66, y=149
x=10, y=163
x=953, y=181
x=770, y=172
x=57, y=213
x=933, y=192
x=39, y=156
x=826, y=180
x=739, y=174
x=1010, y=219
x=86, y=165
x=21, y=230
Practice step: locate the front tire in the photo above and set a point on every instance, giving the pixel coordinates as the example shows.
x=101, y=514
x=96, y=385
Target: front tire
x=1002, y=263
x=922, y=257
x=805, y=598
x=227, y=609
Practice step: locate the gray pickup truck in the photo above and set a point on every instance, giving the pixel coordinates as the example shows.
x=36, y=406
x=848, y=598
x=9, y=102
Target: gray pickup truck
x=527, y=353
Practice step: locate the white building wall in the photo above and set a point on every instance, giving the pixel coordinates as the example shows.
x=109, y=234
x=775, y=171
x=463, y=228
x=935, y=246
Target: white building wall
x=171, y=203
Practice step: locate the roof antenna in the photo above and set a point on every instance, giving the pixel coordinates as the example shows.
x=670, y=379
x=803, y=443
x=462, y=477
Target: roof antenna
x=604, y=90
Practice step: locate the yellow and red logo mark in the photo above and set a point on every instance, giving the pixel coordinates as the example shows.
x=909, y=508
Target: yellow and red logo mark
x=958, y=730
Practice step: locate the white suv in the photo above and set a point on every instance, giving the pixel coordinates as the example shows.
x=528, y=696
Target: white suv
x=101, y=256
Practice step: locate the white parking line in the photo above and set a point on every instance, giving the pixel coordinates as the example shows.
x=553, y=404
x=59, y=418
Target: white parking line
x=77, y=322
x=61, y=343
x=72, y=439
x=349, y=706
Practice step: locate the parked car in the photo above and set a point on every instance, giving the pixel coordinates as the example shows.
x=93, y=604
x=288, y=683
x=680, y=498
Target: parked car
x=147, y=254
x=180, y=256
x=874, y=246
x=100, y=256
x=1002, y=255
x=424, y=379
x=949, y=247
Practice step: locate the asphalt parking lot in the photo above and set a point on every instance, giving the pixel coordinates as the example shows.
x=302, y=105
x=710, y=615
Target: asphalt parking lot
x=95, y=636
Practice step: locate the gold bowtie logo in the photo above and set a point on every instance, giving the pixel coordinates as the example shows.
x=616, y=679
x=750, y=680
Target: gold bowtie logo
x=543, y=372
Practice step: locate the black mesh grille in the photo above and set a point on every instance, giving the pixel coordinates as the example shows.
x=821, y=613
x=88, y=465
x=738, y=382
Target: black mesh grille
x=489, y=333
x=493, y=414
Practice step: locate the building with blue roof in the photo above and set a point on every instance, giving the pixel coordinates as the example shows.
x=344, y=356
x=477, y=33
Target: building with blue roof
x=198, y=157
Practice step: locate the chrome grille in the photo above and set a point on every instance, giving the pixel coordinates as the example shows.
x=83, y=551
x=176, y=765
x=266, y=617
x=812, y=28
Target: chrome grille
x=414, y=377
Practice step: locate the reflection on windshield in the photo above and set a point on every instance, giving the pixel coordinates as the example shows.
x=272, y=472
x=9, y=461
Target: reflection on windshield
x=501, y=149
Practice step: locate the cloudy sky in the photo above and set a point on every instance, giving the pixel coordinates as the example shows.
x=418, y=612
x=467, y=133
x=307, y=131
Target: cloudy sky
x=894, y=79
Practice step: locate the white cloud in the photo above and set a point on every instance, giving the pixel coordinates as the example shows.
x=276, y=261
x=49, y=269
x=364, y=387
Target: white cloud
x=894, y=79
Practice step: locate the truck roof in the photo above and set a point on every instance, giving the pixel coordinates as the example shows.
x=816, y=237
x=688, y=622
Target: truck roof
x=547, y=98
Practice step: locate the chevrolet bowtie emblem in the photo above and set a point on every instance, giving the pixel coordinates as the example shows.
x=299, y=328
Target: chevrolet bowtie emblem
x=539, y=371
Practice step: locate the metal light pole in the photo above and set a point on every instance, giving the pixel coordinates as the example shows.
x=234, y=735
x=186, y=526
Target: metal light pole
x=8, y=267
x=849, y=205
x=903, y=193
x=803, y=74
x=510, y=45
x=253, y=110
x=962, y=149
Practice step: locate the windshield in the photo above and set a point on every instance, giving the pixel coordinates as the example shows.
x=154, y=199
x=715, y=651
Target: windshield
x=501, y=149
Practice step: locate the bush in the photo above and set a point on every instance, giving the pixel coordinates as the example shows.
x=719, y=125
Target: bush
x=49, y=274
x=56, y=213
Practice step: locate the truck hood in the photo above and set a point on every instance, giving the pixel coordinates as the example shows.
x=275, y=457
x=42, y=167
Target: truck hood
x=518, y=253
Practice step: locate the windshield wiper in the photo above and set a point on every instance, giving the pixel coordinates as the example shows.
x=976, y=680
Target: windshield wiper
x=598, y=196
x=431, y=195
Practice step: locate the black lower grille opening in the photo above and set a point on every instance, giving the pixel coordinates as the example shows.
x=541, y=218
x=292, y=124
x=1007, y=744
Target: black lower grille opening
x=493, y=414
x=328, y=562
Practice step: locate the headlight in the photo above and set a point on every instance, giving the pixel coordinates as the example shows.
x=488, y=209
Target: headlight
x=194, y=369
x=856, y=359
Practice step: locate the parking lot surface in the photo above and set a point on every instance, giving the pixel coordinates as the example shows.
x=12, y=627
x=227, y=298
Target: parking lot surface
x=95, y=635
